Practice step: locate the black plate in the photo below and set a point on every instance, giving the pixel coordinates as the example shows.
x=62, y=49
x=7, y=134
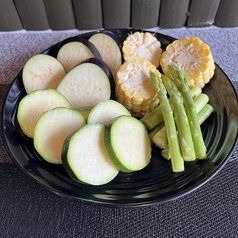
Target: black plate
x=151, y=186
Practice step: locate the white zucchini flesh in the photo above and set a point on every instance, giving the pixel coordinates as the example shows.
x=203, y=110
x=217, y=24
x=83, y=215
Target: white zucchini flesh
x=85, y=86
x=73, y=53
x=85, y=157
x=128, y=144
x=34, y=104
x=109, y=51
x=51, y=130
x=41, y=72
x=106, y=111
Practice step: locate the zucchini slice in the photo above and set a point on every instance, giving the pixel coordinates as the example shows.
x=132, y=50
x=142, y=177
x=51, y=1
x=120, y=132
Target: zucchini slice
x=57, y=124
x=109, y=51
x=42, y=72
x=85, y=158
x=128, y=144
x=34, y=104
x=85, y=86
x=106, y=111
x=73, y=53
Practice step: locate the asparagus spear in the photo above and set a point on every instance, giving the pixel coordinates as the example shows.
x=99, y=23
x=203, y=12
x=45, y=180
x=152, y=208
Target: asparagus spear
x=176, y=157
x=155, y=117
x=180, y=77
x=205, y=113
x=202, y=116
x=181, y=120
x=155, y=130
x=160, y=138
x=166, y=153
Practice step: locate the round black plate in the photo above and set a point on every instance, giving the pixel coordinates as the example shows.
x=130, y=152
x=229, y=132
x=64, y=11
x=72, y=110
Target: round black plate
x=153, y=185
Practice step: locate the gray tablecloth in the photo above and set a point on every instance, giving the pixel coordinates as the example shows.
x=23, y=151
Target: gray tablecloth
x=29, y=210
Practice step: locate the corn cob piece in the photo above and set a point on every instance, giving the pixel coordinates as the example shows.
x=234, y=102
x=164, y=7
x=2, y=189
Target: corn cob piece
x=193, y=57
x=142, y=45
x=134, y=88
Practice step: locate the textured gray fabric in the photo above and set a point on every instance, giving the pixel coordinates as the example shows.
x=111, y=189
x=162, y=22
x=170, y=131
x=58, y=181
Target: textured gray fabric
x=28, y=210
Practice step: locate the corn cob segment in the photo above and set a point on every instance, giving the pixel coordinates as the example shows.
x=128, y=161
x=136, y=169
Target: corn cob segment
x=142, y=45
x=133, y=86
x=193, y=57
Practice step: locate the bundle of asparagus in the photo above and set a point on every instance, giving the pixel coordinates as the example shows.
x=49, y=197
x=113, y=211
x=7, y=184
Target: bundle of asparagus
x=175, y=124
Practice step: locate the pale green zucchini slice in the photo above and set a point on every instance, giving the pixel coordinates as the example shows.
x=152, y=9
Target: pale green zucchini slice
x=73, y=53
x=85, y=158
x=85, y=86
x=109, y=51
x=42, y=72
x=128, y=144
x=34, y=104
x=106, y=111
x=51, y=130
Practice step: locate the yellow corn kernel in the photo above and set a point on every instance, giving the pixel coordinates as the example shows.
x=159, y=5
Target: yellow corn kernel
x=134, y=88
x=142, y=45
x=193, y=57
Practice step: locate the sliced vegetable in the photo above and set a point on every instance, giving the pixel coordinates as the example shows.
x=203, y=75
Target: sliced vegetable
x=34, y=104
x=193, y=57
x=42, y=72
x=109, y=51
x=142, y=45
x=85, y=86
x=73, y=53
x=106, y=69
x=85, y=158
x=106, y=111
x=128, y=144
x=133, y=86
x=52, y=128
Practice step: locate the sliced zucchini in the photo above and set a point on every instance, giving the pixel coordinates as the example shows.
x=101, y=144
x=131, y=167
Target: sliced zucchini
x=128, y=144
x=57, y=124
x=109, y=51
x=85, y=158
x=85, y=86
x=73, y=53
x=34, y=104
x=42, y=72
x=106, y=111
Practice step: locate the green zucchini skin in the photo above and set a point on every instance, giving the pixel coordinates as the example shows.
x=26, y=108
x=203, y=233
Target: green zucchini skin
x=38, y=101
x=85, y=158
x=119, y=158
x=105, y=111
x=110, y=150
x=57, y=124
x=64, y=159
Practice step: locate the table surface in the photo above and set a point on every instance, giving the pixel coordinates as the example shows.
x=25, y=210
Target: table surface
x=29, y=210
